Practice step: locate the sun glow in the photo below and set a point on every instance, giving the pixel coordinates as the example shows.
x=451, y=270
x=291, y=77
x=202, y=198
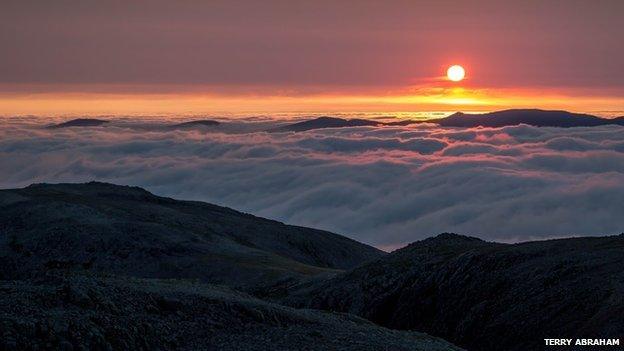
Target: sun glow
x=455, y=73
x=455, y=97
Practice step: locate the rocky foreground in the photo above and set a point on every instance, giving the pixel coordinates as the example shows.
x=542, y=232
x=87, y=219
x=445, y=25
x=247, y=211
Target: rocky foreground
x=99, y=313
x=482, y=295
x=103, y=267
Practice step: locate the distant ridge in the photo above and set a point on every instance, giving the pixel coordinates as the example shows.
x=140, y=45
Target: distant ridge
x=79, y=122
x=197, y=123
x=532, y=117
x=324, y=122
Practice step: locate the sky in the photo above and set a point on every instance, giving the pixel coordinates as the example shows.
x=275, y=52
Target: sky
x=99, y=57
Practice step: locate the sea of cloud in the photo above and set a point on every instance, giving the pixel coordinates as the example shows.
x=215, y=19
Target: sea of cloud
x=385, y=186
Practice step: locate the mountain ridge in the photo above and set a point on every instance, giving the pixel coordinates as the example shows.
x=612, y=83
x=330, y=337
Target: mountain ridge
x=484, y=295
x=533, y=117
x=73, y=252
x=324, y=122
x=195, y=123
x=112, y=228
x=103, y=266
x=79, y=122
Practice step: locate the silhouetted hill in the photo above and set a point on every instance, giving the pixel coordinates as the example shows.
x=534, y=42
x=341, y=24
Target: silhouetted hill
x=79, y=262
x=534, y=117
x=80, y=122
x=101, y=266
x=194, y=124
x=485, y=296
x=324, y=122
x=126, y=230
x=113, y=313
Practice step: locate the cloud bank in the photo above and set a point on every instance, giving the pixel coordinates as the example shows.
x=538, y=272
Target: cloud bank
x=386, y=186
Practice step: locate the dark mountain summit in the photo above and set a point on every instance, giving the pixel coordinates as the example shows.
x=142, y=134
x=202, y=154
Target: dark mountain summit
x=485, y=296
x=324, y=122
x=80, y=122
x=125, y=230
x=534, y=117
x=195, y=124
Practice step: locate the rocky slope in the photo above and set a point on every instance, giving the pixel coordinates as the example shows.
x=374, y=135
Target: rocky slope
x=485, y=296
x=124, y=230
x=100, y=266
x=100, y=313
x=79, y=266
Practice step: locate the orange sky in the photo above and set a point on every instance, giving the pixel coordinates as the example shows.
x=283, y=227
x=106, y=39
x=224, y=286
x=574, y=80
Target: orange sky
x=432, y=98
x=115, y=57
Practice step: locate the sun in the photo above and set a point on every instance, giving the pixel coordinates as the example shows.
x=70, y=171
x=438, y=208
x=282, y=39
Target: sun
x=455, y=73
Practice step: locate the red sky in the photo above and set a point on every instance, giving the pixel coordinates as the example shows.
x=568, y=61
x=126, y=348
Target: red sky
x=112, y=56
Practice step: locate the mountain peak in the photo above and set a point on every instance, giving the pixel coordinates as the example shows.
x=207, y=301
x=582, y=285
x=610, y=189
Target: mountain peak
x=79, y=122
x=533, y=117
x=446, y=239
x=324, y=122
x=453, y=237
x=196, y=123
x=127, y=230
x=327, y=118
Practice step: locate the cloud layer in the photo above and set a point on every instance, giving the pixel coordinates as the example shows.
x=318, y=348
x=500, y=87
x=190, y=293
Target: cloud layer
x=385, y=186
